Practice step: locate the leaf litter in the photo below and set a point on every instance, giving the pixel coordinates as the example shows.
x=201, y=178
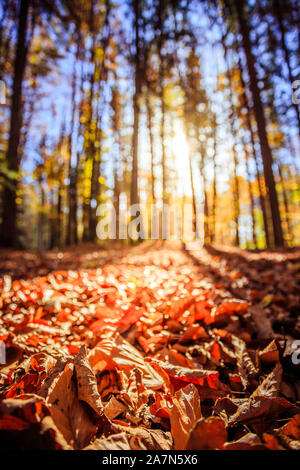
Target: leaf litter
x=146, y=350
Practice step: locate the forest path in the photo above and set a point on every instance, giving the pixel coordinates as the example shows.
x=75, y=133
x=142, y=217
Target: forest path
x=151, y=320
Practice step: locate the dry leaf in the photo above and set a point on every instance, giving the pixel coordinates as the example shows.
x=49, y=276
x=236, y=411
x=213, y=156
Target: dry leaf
x=186, y=411
x=207, y=434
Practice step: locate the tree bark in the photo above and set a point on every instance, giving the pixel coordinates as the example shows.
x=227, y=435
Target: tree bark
x=9, y=217
x=214, y=199
x=77, y=165
x=149, y=123
x=72, y=180
x=255, y=156
x=207, y=238
x=90, y=130
x=251, y=196
x=286, y=204
x=278, y=11
x=96, y=152
x=236, y=188
x=261, y=123
x=134, y=196
x=163, y=111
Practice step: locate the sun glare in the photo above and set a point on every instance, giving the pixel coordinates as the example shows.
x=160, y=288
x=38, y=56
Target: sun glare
x=181, y=151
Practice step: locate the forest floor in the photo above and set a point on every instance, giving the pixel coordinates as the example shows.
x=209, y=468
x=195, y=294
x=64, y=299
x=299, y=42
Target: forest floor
x=157, y=346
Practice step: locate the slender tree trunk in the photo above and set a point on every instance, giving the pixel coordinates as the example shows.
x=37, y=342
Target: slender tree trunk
x=95, y=192
x=59, y=215
x=4, y=45
x=134, y=196
x=117, y=193
x=162, y=101
x=77, y=165
x=261, y=123
x=286, y=204
x=4, y=14
x=214, y=199
x=236, y=188
x=96, y=152
x=71, y=194
x=149, y=122
x=262, y=202
x=236, y=198
x=53, y=216
x=194, y=222
x=9, y=218
x=31, y=97
x=207, y=239
x=251, y=196
x=41, y=216
x=278, y=11
x=96, y=160
x=75, y=225
x=90, y=123
x=294, y=178
x=255, y=156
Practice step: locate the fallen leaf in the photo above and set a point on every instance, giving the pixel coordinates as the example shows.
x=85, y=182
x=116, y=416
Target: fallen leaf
x=207, y=434
x=186, y=411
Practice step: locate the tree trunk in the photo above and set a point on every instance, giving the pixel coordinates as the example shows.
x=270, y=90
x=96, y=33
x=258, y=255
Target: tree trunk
x=9, y=218
x=4, y=45
x=96, y=152
x=59, y=215
x=163, y=111
x=90, y=130
x=236, y=189
x=149, y=123
x=261, y=123
x=53, y=216
x=77, y=165
x=134, y=196
x=41, y=216
x=207, y=239
x=251, y=196
x=255, y=156
x=194, y=221
x=236, y=198
x=71, y=194
x=214, y=199
x=286, y=205
x=278, y=11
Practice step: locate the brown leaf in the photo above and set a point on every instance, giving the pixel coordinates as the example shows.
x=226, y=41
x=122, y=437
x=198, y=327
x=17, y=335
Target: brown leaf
x=185, y=413
x=69, y=414
x=270, y=386
x=271, y=442
x=208, y=434
x=120, y=354
x=25, y=423
x=196, y=376
x=87, y=383
x=248, y=442
x=264, y=405
x=263, y=324
x=114, y=442
x=291, y=429
x=270, y=355
x=46, y=384
x=149, y=439
x=137, y=392
x=114, y=408
x=245, y=366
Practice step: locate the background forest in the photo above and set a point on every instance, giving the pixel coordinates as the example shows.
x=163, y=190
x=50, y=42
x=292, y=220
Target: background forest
x=163, y=101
